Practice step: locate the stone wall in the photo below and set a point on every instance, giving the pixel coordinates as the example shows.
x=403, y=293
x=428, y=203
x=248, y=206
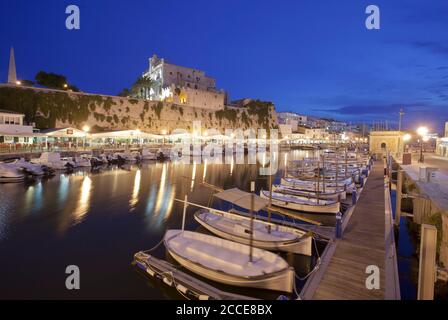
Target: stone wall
x=54, y=108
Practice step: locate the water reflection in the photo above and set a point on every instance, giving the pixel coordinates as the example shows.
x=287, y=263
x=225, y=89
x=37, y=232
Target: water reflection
x=134, y=200
x=64, y=183
x=163, y=200
x=193, y=176
x=84, y=200
x=205, y=170
x=33, y=199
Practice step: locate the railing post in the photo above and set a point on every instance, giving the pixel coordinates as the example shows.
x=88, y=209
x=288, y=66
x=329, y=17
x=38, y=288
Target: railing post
x=338, y=225
x=427, y=264
x=398, y=197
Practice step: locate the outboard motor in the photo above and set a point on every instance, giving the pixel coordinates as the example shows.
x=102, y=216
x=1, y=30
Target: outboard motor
x=49, y=172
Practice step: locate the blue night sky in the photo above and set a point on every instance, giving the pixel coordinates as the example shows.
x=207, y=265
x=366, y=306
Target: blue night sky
x=308, y=56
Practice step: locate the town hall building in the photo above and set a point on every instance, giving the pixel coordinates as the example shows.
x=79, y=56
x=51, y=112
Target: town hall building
x=182, y=85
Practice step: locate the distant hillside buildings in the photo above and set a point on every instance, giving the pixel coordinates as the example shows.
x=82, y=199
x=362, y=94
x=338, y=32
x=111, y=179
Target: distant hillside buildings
x=300, y=122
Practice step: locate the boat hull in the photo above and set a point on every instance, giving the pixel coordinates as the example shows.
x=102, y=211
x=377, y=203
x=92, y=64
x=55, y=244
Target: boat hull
x=272, y=274
x=341, y=195
x=331, y=208
x=283, y=281
x=300, y=246
x=312, y=186
x=6, y=179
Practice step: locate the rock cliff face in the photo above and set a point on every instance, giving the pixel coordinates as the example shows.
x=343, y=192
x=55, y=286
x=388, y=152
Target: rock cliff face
x=54, y=108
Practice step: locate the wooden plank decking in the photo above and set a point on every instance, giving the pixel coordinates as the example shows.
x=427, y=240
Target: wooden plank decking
x=363, y=244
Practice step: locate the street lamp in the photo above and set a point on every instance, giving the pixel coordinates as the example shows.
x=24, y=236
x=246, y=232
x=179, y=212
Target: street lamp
x=406, y=137
x=422, y=131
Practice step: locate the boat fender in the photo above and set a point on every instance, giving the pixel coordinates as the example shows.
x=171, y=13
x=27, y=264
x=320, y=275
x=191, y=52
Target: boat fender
x=203, y=297
x=169, y=282
x=150, y=272
x=141, y=265
x=181, y=288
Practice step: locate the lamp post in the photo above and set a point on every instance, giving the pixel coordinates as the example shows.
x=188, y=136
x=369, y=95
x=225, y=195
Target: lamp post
x=422, y=132
x=406, y=138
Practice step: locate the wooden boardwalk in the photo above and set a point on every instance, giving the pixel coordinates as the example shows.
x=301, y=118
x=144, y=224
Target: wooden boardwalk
x=363, y=244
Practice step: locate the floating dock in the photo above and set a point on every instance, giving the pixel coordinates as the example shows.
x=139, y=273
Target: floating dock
x=188, y=286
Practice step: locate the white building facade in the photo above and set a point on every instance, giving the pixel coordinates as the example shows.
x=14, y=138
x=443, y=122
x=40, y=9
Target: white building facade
x=182, y=85
x=12, y=128
x=292, y=119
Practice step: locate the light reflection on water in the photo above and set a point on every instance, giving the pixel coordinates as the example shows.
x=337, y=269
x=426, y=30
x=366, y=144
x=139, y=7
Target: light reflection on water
x=77, y=218
x=134, y=200
x=84, y=200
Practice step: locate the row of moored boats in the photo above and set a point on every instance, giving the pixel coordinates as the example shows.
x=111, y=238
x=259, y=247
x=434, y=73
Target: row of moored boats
x=16, y=170
x=242, y=249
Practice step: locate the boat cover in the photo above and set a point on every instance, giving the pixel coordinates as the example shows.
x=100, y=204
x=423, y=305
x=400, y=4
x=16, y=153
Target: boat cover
x=242, y=199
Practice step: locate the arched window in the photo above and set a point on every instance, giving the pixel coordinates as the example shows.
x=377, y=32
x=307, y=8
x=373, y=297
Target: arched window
x=383, y=145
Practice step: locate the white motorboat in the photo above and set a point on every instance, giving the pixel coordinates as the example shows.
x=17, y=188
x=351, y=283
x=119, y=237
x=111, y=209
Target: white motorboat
x=229, y=262
x=82, y=162
x=69, y=162
x=330, y=195
x=311, y=205
x=148, y=155
x=136, y=155
x=10, y=173
x=28, y=167
x=126, y=156
x=113, y=158
x=266, y=235
x=94, y=161
x=164, y=153
x=53, y=160
x=103, y=158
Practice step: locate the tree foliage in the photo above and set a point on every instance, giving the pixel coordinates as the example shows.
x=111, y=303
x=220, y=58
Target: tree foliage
x=54, y=81
x=141, y=82
x=125, y=93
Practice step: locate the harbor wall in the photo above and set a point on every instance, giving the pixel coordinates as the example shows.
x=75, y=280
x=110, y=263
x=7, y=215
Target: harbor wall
x=56, y=108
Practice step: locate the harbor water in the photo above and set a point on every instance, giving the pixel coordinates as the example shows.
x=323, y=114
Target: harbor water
x=98, y=219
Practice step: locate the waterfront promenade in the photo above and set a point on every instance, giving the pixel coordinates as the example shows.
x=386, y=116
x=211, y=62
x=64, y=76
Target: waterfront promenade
x=342, y=275
x=435, y=190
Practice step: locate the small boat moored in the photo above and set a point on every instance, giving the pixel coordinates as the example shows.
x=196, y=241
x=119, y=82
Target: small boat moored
x=10, y=173
x=266, y=235
x=310, y=205
x=228, y=262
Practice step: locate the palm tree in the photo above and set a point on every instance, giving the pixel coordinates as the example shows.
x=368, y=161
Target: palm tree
x=141, y=87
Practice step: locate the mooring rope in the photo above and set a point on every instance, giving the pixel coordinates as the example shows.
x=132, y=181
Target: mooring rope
x=155, y=247
x=316, y=267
